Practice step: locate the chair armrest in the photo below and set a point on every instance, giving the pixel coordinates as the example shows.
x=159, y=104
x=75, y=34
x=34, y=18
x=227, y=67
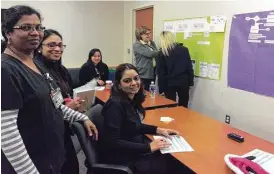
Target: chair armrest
x=104, y=168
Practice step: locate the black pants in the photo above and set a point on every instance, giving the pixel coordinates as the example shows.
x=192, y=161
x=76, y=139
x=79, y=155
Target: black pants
x=157, y=163
x=183, y=94
x=71, y=164
x=146, y=83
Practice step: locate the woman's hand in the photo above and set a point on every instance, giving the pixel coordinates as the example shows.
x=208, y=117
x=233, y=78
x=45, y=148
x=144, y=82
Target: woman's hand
x=100, y=82
x=166, y=132
x=91, y=128
x=74, y=103
x=158, y=144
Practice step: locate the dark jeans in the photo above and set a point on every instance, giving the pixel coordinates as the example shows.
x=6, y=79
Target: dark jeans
x=183, y=94
x=146, y=83
x=71, y=164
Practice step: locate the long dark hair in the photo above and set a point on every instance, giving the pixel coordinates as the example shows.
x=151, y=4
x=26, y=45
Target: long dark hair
x=91, y=53
x=116, y=91
x=56, y=68
x=11, y=16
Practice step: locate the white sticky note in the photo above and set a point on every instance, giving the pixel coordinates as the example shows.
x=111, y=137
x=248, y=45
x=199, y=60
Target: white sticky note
x=166, y=119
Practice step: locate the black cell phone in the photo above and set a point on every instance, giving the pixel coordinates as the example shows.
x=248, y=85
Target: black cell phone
x=236, y=137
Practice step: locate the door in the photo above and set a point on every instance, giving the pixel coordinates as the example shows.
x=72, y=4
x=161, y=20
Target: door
x=144, y=17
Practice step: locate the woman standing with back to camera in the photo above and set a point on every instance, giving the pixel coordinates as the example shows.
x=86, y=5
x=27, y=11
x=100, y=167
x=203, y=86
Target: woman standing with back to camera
x=174, y=69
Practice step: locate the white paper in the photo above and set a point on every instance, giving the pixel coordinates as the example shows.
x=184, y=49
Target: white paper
x=99, y=88
x=217, y=23
x=181, y=26
x=203, y=42
x=166, y=119
x=187, y=35
x=264, y=159
x=203, y=69
x=169, y=26
x=178, y=144
x=200, y=25
x=89, y=86
x=206, y=34
x=213, y=71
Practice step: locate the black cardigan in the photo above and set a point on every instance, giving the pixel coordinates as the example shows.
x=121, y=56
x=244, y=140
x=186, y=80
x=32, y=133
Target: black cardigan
x=176, y=69
x=124, y=137
x=59, y=73
x=88, y=72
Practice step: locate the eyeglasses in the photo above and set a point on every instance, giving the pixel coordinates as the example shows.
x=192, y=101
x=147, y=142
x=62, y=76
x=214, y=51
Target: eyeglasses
x=130, y=80
x=53, y=45
x=29, y=28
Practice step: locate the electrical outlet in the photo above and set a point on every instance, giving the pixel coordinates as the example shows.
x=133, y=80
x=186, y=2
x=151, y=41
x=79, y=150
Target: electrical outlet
x=227, y=119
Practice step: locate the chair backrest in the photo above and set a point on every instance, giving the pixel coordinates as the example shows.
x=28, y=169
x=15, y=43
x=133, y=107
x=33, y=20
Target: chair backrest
x=88, y=144
x=74, y=74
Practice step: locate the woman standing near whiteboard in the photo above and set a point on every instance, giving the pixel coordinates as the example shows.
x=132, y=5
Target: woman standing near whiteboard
x=174, y=69
x=144, y=52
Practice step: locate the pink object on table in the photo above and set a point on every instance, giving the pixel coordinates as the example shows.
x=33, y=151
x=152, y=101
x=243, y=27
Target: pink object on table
x=240, y=165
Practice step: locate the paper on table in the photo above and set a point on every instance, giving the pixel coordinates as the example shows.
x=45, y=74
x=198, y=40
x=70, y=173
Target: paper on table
x=264, y=159
x=99, y=88
x=203, y=69
x=178, y=144
x=166, y=119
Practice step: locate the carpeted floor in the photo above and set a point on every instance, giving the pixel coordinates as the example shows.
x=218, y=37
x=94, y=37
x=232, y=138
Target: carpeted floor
x=81, y=158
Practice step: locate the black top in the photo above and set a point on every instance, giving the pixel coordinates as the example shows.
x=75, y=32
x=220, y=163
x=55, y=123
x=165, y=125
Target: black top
x=89, y=71
x=41, y=125
x=60, y=75
x=176, y=69
x=124, y=137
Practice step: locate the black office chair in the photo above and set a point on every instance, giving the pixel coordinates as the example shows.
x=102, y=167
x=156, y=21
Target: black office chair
x=89, y=146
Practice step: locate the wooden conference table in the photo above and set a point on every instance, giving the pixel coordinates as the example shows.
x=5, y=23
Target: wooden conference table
x=149, y=103
x=208, y=138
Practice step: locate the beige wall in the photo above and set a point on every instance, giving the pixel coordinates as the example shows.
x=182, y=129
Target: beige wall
x=84, y=25
x=250, y=112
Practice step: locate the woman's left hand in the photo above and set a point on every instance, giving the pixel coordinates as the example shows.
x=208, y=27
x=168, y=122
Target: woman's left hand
x=166, y=132
x=91, y=128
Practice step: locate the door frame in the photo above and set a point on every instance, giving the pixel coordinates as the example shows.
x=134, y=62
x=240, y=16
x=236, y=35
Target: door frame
x=134, y=25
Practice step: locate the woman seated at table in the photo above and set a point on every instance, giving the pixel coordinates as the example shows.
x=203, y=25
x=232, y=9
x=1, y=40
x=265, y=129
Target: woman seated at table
x=124, y=141
x=94, y=68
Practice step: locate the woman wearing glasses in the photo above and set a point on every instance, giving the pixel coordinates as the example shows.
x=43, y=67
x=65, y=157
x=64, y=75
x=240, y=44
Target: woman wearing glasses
x=32, y=125
x=94, y=68
x=124, y=141
x=49, y=53
x=145, y=52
